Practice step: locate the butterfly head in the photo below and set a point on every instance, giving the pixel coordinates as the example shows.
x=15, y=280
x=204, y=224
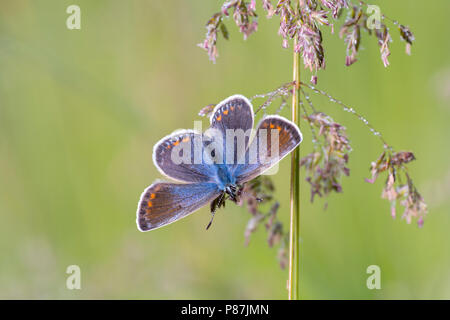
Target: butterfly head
x=233, y=191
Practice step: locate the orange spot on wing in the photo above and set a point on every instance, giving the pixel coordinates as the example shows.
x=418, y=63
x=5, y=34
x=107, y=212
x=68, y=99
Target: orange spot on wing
x=152, y=196
x=219, y=118
x=186, y=139
x=232, y=108
x=169, y=146
x=149, y=204
x=272, y=126
x=176, y=143
x=278, y=128
x=225, y=112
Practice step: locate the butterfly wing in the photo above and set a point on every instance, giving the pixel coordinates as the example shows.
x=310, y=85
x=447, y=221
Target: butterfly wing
x=289, y=137
x=163, y=202
x=235, y=116
x=179, y=156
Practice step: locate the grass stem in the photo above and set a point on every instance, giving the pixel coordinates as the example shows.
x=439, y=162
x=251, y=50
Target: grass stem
x=294, y=237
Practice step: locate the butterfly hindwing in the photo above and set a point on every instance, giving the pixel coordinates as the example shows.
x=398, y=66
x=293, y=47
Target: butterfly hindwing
x=163, y=202
x=289, y=137
x=170, y=158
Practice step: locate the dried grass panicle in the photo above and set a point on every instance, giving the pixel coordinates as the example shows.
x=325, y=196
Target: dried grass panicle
x=396, y=191
x=263, y=188
x=305, y=21
x=326, y=165
x=243, y=14
x=207, y=110
x=328, y=161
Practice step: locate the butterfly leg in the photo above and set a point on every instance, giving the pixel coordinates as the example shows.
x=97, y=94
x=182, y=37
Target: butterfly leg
x=216, y=203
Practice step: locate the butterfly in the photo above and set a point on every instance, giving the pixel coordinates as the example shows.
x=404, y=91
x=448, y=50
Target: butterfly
x=215, y=164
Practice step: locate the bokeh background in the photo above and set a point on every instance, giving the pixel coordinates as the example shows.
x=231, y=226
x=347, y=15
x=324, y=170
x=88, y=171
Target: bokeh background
x=80, y=111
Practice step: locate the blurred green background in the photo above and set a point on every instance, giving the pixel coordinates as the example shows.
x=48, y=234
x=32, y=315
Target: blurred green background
x=80, y=111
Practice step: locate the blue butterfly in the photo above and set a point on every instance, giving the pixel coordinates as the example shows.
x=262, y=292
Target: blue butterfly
x=206, y=179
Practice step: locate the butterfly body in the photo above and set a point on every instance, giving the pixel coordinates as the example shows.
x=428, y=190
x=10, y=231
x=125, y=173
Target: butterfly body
x=212, y=167
x=224, y=177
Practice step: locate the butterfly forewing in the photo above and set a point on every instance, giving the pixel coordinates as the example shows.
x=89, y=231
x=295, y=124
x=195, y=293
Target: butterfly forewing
x=180, y=157
x=287, y=136
x=233, y=119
